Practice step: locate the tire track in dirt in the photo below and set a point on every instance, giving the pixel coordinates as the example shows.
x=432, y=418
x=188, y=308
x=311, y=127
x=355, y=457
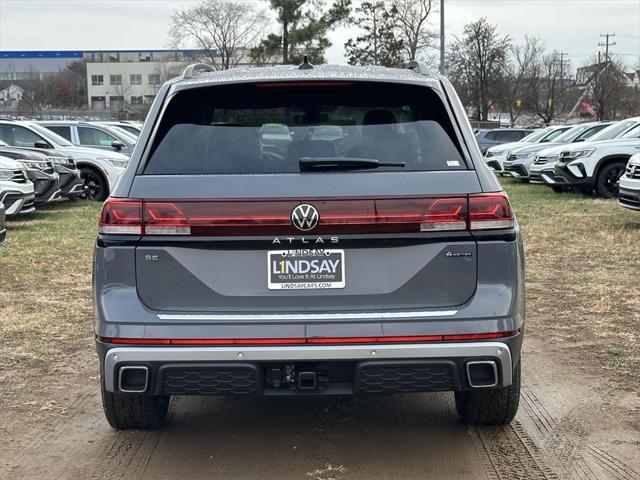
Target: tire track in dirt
x=128, y=455
x=562, y=442
x=511, y=453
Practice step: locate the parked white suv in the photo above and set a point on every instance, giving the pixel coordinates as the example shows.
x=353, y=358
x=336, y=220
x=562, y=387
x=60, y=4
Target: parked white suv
x=99, y=169
x=16, y=191
x=496, y=156
x=597, y=166
x=629, y=194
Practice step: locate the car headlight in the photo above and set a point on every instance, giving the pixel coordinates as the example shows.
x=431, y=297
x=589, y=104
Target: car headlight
x=489, y=153
x=5, y=174
x=520, y=156
x=60, y=160
x=635, y=160
x=32, y=165
x=582, y=153
x=115, y=162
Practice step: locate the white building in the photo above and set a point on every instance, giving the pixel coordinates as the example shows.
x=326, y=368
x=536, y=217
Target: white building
x=123, y=80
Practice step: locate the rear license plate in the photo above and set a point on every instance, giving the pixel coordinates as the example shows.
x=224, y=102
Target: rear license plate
x=305, y=269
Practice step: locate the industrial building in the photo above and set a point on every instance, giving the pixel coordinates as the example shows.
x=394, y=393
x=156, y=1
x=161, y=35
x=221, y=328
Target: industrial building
x=115, y=78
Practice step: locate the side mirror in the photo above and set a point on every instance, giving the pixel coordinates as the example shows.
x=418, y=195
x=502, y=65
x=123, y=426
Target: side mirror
x=117, y=145
x=41, y=144
x=579, y=140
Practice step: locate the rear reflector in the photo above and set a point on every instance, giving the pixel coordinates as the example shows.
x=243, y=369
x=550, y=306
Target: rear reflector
x=307, y=341
x=335, y=216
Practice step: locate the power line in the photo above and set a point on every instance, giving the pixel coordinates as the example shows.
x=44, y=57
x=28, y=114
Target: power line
x=607, y=44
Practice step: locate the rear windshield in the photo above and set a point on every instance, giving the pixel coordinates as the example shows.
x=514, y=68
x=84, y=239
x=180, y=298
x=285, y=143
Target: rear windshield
x=268, y=128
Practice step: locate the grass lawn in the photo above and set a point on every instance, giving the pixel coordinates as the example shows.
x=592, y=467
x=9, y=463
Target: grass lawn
x=583, y=265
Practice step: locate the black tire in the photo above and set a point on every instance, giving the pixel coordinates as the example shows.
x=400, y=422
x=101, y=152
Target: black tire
x=491, y=406
x=557, y=189
x=96, y=186
x=608, y=178
x=134, y=412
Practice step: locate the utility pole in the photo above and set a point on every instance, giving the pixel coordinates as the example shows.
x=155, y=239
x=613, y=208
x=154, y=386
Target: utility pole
x=442, y=71
x=607, y=44
x=563, y=63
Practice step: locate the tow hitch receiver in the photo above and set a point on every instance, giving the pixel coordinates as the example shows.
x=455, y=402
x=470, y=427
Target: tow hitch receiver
x=307, y=380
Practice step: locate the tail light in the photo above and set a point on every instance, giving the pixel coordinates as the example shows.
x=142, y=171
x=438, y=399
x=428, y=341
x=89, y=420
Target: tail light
x=121, y=217
x=336, y=216
x=490, y=211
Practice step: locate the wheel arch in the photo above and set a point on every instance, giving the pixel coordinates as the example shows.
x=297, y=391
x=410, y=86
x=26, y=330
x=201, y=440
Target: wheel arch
x=608, y=159
x=83, y=164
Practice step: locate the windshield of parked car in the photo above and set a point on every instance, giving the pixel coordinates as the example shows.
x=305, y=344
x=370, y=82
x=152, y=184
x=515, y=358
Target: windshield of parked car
x=613, y=131
x=571, y=134
x=121, y=135
x=553, y=135
x=536, y=135
x=633, y=133
x=50, y=136
x=269, y=128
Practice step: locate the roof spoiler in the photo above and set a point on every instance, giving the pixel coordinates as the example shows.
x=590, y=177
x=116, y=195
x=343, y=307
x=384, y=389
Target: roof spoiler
x=196, y=69
x=418, y=67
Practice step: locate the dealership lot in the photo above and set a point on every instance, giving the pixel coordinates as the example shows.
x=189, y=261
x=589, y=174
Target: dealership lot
x=579, y=406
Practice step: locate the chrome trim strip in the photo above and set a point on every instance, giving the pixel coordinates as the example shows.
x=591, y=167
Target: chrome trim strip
x=310, y=316
x=132, y=355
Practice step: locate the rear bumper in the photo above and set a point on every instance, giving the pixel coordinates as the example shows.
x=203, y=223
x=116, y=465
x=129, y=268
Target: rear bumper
x=349, y=369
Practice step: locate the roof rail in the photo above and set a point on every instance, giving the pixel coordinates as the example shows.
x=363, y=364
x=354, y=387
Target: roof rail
x=196, y=68
x=418, y=67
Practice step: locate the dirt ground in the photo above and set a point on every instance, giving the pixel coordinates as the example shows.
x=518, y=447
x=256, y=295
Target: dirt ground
x=571, y=424
x=579, y=415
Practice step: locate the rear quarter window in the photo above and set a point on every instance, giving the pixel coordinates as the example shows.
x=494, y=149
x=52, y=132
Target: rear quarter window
x=268, y=128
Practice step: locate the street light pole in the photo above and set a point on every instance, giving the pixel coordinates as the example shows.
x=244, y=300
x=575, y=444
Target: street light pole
x=442, y=72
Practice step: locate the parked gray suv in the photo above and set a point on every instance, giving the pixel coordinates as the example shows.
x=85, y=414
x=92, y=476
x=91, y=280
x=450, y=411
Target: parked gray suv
x=383, y=259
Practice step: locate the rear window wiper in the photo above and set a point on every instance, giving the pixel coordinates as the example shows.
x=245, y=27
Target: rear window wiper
x=343, y=163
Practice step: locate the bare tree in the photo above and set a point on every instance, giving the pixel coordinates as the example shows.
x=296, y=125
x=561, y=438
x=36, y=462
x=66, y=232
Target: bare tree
x=606, y=88
x=412, y=17
x=512, y=89
x=547, y=86
x=225, y=30
x=476, y=65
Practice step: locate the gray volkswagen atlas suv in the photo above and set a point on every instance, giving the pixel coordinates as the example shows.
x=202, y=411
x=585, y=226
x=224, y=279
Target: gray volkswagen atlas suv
x=383, y=258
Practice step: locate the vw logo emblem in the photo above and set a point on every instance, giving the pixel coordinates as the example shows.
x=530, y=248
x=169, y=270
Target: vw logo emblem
x=305, y=217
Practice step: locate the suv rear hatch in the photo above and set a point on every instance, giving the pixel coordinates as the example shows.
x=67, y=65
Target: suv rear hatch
x=365, y=202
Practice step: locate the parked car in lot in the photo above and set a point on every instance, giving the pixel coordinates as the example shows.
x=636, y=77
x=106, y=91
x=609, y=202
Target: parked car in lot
x=93, y=135
x=71, y=185
x=597, y=166
x=519, y=160
x=614, y=130
x=3, y=227
x=39, y=171
x=99, y=169
x=490, y=138
x=394, y=267
x=132, y=128
x=16, y=191
x=496, y=156
x=629, y=187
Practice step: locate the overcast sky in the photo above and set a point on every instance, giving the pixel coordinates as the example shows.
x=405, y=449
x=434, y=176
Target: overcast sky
x=573, y=26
